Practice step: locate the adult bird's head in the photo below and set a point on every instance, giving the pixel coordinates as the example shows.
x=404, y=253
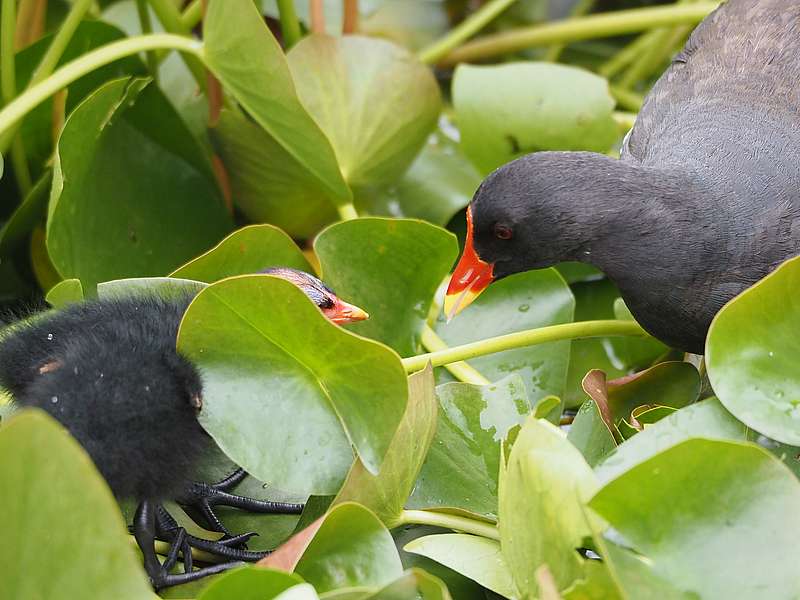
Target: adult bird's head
x=334, y=308
x=532, y=213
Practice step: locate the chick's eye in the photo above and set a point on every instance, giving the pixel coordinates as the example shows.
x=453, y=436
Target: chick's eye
x=503, y=232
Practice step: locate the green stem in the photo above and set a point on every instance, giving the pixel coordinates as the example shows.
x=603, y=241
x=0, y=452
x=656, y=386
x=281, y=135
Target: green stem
x=460, y=370
x=553, y=333
x=580, y=9
x=8, y=73
x=465, y=30
x=170, y=18
x=192, y=15
x=147, y=28
x=61, y=40
x=627, y=55
x=582, y=28
x=32, y=97
x=448, y=521
x=347, y=212
x=625, y=120
x=290, y=25
x=627, y=99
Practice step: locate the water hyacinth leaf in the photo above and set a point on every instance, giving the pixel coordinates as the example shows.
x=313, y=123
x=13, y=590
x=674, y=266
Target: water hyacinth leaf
x=390, y=268
x=386, y=493
x=516, y=303
x=243, y=54
x=476, y=557
x=598, y=584
x=289, y=364
x=267, y=182
x=505, y=111
x=250, y=583
x=590, y=434
x=356, y=88
x=744, y=548
x=751, y=352
x=44, y=555
x=351, y=548
x=462, y=465
x=634, y=576
x=439, y=183
x=543, y=488
x=169, y=209
x=245, y=251
x=37, y=127
x=162, y=287
x=65, y=292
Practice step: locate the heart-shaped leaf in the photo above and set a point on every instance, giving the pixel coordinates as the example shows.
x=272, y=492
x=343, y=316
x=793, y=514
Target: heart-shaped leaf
x=543, y=488
x=505, y=111
x=65, y=292
x=476, y=557
x=351, y=548
x=169, y=209
x=461, y=468
x=751, y=351
x=250, y=583
x=590, y=434
x=243, y=54
x=270, y=358
x=522, y=301
x=390, y=268
x=356, y=88
x=43, y=554
x=386, y=493
x=661, y=507
x=244, y=252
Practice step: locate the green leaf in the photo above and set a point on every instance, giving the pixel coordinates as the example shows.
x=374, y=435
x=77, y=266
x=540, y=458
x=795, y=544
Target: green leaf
x=303, y=591
x=542, y=493
x=243, y=54
x=386, y=493
x=751, y=358
x=267, y=183
x=715, y=518
x=169, y=209
x=476, y=557
x=250, y=583
x=271, y=359
x=29, y=214
x=46, y=475
x=391, y=268
x=461, y=468
x=505, y=111
x=357, y=89
x=163, y=287
x=598, y=585
x=64, y=293
x=590, y=434
x=246, y=251
x=415, y=584
x=439, y=183
x=516, y=303
x=351, y=548
x=637, y=576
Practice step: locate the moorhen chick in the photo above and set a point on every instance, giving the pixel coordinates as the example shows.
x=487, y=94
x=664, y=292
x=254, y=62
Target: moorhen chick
x=703, y=202
x=109, y=372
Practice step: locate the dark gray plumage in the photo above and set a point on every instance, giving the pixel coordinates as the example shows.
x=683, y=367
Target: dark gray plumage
x=705, y=200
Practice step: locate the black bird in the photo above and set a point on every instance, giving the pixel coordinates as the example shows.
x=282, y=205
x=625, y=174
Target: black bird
x=109, y=371
x=704, y=201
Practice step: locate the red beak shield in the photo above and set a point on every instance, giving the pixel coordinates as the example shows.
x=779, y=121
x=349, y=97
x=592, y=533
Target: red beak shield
x=470, y=277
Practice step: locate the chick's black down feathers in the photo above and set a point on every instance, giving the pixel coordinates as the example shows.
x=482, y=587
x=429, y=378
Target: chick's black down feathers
x=109, y=371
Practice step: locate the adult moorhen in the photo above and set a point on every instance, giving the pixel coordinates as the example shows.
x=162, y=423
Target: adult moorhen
x=704, y=201
x=108, y=370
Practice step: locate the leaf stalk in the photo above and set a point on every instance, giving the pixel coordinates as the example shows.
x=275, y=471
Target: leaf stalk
x=448, y=521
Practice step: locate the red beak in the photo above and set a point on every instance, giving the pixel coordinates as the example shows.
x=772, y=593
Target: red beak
x=470, y=277
x=342, y=312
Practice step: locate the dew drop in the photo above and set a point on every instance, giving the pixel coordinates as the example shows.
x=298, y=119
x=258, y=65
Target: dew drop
x=50, y=336
x=54, y=399
x=524, y=308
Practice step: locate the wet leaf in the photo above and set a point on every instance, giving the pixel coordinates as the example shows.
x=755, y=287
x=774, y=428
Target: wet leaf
x=250, y=583
x=505, y=111
x=390, y=268
x=462, y=464
x=43, y=554
x=289, y=364
x=386, y=493
x=661, y=506
x=751, y=352
x=65, y=292
x=169, y=209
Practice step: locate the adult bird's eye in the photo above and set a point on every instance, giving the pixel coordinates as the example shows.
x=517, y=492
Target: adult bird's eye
x=502, y=232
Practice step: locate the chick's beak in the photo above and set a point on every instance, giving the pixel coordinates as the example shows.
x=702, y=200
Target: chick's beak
x=470, y=277
x=342, y=312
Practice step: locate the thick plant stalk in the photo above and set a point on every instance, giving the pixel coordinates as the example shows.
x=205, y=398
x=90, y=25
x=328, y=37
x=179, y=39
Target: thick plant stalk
x=581, y=28
x=317, y=12
x=8, y=89
x=460, y=370
x=520, y=339
x=448, y=521
x=30, y=22
x=581, y=8
x=465, y=30
x=192, y=15
x=350, y=21
x=290, y=25
x=147, y=27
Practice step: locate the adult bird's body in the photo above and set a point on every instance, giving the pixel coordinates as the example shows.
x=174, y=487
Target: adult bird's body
x=109, y=371
x=704, y=201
